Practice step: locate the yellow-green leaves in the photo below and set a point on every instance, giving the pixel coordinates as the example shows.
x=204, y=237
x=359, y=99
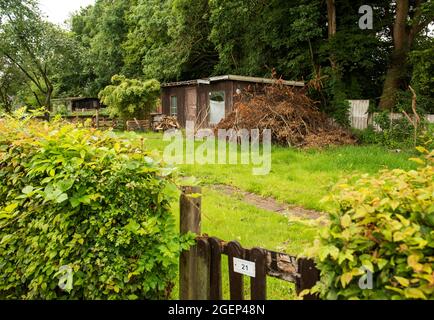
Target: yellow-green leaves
x=8, y=211
x=347, y=277
x=11, y=207
x=346, y=221
x=403, y=281
x=27, y=190
x=383, y=225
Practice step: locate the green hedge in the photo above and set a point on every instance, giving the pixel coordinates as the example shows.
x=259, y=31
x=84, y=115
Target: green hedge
x=83, y=215
x=384, y=225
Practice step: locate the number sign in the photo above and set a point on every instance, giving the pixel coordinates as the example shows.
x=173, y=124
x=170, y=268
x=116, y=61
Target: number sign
x=245, y=267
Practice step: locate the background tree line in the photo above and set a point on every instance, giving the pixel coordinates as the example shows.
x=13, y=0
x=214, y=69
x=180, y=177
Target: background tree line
x=318, y=41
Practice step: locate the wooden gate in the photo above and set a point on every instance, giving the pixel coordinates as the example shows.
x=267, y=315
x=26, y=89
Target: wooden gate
x=201, y=266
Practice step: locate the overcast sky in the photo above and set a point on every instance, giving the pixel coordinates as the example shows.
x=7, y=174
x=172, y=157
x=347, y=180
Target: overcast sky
x=59, y=10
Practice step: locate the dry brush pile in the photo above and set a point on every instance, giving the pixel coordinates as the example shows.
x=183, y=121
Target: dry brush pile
x=292, y=117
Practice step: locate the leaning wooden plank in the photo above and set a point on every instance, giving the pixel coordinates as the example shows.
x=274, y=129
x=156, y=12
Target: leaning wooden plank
x=190, y=218
x=309, y=276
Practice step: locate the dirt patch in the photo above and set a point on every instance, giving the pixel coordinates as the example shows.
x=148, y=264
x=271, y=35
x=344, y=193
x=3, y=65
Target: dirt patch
x=270, y=204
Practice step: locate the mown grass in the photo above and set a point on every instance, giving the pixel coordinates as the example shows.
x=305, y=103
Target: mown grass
x=300, y=177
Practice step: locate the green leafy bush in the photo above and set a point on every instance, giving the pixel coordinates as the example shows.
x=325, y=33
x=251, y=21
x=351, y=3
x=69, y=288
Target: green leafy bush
x=130, y=98
x=83, y=215
x=383, y=224
x=397, y=134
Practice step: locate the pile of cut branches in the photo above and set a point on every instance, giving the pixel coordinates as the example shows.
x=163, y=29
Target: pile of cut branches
x=292, y=117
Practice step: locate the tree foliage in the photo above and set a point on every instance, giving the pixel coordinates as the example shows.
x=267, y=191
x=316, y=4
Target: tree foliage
x=41, y=51
x=316, y=41
x=130, y=98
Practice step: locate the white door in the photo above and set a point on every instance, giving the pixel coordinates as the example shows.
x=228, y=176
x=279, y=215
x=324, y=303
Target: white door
x=217, y=107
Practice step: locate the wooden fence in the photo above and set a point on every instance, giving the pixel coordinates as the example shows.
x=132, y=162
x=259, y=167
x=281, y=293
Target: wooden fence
x=360, y=118
x=201, y=266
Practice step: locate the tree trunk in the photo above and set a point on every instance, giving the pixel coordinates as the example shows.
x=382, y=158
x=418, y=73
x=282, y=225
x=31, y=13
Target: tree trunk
x=397, y=67
x=393, y=80
x=331, y=19
x=6, y=102
x=48, y=95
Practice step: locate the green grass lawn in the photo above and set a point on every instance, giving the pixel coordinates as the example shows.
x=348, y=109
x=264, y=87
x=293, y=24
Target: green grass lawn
x=300, y=177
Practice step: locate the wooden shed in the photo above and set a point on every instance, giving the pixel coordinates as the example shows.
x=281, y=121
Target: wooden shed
x=207, y=101
x=79, y=104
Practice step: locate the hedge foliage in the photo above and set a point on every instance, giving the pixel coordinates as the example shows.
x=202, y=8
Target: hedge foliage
x=83, y=215
x=384, y=225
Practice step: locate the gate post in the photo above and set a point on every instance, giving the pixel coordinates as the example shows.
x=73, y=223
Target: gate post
x=309, y=276
x=190, y=221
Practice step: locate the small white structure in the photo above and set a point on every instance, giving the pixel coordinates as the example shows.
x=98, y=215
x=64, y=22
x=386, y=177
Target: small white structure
x=359, y=114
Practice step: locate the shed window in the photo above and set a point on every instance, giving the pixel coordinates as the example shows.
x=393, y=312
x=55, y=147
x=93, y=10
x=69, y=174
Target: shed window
x=174, y=106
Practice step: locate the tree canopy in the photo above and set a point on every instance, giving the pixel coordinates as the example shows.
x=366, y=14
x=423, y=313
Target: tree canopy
x=42, y=52
x=313, y=40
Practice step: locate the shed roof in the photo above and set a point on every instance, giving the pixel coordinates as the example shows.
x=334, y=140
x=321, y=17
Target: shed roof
x=232, y=78
x=74, y=99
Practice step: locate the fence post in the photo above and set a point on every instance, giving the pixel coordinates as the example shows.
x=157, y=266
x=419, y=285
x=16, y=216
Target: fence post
x=97, y=118
x=309, y=276
x=190, y=221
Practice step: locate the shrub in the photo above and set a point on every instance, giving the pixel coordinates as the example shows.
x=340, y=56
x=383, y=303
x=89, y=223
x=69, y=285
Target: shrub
x=130, y=98
x=368, y=136
x=83, y=215
x=397, y=134
x=383, y=224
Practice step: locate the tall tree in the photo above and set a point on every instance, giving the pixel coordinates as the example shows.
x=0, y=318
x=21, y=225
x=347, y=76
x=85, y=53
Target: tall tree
x=102, y=29
x=34, y=46
x=410, y=21
x=168, y=40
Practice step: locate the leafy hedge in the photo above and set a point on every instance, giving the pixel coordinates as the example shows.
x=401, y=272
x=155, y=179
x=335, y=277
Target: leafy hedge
x=383, y=224
x=83, y=215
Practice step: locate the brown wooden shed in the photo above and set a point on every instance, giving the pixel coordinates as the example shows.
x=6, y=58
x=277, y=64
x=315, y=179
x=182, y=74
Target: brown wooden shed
x=74, y=104
x=207, y=101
